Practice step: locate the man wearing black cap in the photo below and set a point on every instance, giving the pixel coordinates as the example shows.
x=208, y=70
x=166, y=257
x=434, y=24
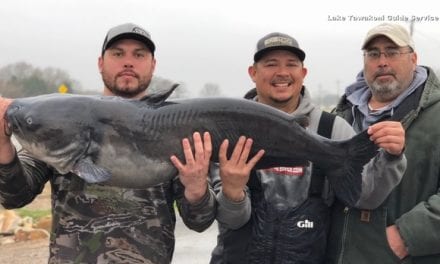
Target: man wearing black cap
x=281, y=214
x=94, y=223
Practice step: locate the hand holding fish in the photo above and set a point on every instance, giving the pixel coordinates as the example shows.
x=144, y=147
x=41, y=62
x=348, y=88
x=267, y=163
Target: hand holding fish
x=235, y=171
x=194, y=173
x=4, y=103
x=388, y=135
x=6, y=148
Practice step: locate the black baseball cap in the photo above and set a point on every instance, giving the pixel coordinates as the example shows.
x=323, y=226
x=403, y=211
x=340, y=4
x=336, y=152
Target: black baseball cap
x=278, y=41
x=128, y=31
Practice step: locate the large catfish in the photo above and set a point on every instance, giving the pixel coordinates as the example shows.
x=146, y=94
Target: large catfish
x=128, y=143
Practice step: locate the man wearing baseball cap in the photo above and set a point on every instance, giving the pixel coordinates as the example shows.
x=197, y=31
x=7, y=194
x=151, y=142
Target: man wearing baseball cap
x=127, y=61
x=281, y=214
x=128, y=31
x=406, y=227
x=278, y=41
x=96, y=223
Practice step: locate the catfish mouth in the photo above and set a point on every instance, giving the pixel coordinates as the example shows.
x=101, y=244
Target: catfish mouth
x=7, y=126
x=11, y=123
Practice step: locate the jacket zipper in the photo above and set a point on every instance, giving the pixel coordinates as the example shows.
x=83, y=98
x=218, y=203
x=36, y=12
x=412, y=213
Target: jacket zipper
x=344, y=235
x=275, y=238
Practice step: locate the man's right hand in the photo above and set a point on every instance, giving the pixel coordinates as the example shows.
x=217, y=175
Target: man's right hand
x=7, y=150
x=235, y=171
x=389, y=135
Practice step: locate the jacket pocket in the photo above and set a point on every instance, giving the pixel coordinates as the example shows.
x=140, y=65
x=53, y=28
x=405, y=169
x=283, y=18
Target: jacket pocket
x=384, y=238
x=235, y=245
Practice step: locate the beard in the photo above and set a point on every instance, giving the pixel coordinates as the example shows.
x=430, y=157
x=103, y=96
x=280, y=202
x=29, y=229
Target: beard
x=126, y=91
x=282, y=101
x=386, y=92
x=278, y=101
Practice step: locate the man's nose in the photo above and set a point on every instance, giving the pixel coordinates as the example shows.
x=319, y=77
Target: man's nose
x=283, y=71
x=128, y=62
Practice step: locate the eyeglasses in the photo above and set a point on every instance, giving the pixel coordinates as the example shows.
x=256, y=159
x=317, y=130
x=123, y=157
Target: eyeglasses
x=389, y=53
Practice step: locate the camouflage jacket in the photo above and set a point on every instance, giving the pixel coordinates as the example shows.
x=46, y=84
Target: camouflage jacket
x=94, y=223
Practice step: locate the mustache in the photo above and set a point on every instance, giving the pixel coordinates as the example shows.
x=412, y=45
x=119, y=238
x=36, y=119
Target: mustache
x=281, y=79
x=129, y=72
x=382, y=72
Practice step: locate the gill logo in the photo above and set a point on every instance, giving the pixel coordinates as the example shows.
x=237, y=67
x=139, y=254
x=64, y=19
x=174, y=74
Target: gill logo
x=305, y=224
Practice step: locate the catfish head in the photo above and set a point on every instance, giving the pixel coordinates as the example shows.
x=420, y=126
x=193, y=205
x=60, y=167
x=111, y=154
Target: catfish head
x=54, y=130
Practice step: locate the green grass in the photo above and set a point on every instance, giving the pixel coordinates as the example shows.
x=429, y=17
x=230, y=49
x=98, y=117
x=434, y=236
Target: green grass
x=35, y=214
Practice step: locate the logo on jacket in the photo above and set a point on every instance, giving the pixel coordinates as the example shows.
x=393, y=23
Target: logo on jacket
x=304, y=224
x=288, y=171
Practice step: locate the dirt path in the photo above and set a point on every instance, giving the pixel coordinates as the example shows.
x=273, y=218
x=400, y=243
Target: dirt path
x=32, y=252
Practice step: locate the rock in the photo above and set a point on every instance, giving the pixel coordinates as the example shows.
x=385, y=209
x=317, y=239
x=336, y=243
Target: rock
x=7, y=240
x=44, y=223
x=31, y=234
x=9, y=221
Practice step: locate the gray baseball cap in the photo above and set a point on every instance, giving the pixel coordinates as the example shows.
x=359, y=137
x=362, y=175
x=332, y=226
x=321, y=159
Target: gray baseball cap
x=278, y=41
x=128, y=31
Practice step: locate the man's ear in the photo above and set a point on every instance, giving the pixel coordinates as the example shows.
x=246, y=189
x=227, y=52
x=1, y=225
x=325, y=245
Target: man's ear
x=100, y=63
x=252, y=71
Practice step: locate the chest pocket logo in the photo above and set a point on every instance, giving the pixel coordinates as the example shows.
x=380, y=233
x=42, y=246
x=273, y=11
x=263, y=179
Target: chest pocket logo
x=287, y=171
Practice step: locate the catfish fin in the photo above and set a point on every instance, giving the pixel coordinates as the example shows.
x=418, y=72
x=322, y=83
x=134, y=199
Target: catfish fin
x=349, y=176
x=160, y=97
x=89, y=172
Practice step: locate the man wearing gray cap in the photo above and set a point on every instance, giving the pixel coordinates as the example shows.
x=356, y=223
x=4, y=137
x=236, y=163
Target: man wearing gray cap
x=281, y=215
x=406, y=227
x=95, y=223
x=125, y=74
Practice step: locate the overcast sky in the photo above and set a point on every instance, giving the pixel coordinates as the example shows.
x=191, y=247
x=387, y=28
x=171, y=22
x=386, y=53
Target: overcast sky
x=200, y=41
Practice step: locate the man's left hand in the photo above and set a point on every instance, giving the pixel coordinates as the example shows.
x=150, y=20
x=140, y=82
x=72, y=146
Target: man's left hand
x=396, y=242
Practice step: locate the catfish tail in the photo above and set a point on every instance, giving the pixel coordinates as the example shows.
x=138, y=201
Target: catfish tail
x=347, y=180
